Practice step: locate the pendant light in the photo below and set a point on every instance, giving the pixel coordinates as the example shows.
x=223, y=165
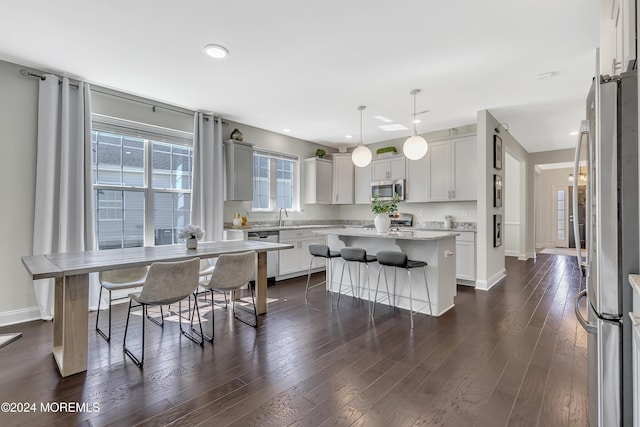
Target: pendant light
x=415, y=147
x=361, y=156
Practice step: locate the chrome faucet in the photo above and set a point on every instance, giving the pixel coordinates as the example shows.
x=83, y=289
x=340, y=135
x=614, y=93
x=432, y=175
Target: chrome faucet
x=280, y=221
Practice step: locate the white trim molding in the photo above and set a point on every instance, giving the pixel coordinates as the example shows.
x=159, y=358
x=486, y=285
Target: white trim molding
x=485, y=285
x=19, y=316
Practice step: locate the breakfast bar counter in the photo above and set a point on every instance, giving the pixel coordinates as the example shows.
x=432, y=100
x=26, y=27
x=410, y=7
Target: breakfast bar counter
x=436, y=248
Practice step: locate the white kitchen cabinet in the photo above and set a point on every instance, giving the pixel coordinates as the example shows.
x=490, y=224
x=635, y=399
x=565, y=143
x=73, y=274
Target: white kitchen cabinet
x=297, y=259
x=452, y=169
x=387, y=169
x=418, y=183
x=239, y=170
x=465, y=166
x=466, y=257
x=318, y=181
x=362, y=185
x=343, y=179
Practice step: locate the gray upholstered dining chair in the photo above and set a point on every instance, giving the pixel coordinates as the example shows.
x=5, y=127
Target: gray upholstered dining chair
x=232, y=272
x=166, y=283
x=122, y=279
x=206, y=268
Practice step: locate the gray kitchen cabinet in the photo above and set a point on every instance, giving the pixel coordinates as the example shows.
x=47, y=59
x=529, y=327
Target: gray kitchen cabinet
x=342, y=179
x=239, y=170
x=452, y=169
x=466, y=257
x=418, y=180
x=296, y=260
x=362, y=185
x=318, y=181
x=388, y=168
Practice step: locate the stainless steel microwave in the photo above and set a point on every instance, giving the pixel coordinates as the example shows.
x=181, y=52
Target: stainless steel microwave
x=385, y=189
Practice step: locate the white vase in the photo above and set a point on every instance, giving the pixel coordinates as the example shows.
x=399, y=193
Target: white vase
x=382, y=222
x=192, y=243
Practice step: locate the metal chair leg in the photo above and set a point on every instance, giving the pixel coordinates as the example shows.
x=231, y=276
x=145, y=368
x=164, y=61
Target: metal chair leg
x=255, y=311
x=107, y=337
x=426, y=285
x=306, y=291
x=372, y=304
x=341, y=277
x=138, y=362
x=146, y=312
x=410, y=297
x=185, y=333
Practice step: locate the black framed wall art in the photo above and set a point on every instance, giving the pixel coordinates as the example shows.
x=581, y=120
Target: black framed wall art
x=497, y=152
x=497, y=191
x=497, y=231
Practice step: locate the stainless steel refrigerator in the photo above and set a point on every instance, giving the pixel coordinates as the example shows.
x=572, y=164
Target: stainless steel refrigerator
x=610, y=139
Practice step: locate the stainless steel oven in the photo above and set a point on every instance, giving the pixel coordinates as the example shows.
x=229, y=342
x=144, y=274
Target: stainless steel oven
x=385, y=189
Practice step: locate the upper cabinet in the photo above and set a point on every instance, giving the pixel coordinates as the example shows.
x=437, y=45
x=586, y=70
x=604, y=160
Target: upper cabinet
x=239, y=174
x=318, y=181
x=343, y=179
x=362, y=186
x=387, y=169
x=446, y=173
x=617, y=36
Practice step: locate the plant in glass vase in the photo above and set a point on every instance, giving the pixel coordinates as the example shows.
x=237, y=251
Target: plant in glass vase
x=191, y=234
x=382, y=209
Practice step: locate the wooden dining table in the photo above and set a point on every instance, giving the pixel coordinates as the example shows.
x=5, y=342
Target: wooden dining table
x=71, y=273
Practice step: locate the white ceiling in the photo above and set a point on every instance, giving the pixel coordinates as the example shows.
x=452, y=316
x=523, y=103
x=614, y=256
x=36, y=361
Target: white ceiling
x=307, y=65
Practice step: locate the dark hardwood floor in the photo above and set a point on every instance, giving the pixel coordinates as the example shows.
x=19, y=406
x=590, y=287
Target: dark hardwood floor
x=514, y=355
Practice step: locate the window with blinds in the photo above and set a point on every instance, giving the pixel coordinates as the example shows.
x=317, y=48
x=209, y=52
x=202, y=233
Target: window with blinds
x=275, y=181
x=141, y=182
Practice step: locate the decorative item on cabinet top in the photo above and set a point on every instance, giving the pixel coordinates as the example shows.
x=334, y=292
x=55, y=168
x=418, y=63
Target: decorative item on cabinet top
x=386, y=151
x=236, y=135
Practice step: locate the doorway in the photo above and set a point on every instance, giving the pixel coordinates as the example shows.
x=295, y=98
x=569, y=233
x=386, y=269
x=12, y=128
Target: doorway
x=560, y=222
x=581, y=216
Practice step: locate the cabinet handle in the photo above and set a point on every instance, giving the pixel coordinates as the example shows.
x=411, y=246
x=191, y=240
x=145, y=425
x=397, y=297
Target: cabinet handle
x=453, y=194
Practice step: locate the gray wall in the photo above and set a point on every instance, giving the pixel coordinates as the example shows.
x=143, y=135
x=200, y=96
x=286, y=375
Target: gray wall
x=19, y=106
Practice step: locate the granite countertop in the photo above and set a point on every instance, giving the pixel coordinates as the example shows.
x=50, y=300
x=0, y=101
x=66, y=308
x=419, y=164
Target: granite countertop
x=450, y=230
x=398, y=235
x=261, y=227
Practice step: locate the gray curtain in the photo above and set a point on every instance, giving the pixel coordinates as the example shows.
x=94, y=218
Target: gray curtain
x=207, y=197
x=64, y=204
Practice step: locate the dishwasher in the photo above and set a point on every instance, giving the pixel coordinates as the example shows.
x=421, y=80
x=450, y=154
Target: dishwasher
x=272, y=236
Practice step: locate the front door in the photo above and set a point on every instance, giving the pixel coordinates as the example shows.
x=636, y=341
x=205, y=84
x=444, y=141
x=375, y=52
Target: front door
x=560, y=216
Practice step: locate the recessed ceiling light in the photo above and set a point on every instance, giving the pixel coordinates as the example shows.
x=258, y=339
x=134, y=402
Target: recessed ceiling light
x=574, y=133
x=393, y=127
x=383, y=119
x=216, y=51
x=286, y=130
x=348, y=136
x=417, y=121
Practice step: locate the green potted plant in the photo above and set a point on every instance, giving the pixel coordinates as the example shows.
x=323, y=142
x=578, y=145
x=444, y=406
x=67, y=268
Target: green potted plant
x=320, y=153
x=386, y=151
x=382, y=209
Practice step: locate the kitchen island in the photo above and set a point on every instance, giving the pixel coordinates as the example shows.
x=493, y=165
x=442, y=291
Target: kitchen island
x=435, y=248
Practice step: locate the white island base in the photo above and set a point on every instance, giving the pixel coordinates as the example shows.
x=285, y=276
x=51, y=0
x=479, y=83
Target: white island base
x=436, y=248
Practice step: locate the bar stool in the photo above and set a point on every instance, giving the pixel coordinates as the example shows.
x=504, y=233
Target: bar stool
x=317, y=250
x=400, y=260
x=359, y=256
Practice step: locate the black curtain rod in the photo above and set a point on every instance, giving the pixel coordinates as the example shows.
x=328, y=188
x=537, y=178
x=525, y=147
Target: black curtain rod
x=153, y=106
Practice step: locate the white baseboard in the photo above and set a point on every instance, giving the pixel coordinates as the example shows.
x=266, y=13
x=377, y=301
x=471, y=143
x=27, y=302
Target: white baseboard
x=485, y=285
x=511, y=253
x=524, y=257
x=19, y=316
